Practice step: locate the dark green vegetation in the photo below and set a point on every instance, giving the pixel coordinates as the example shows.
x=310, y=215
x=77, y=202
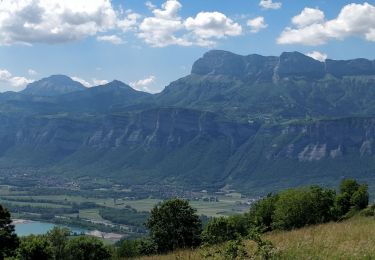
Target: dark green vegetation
x=8, y=238
x=258, y=124
x=174, y=225
x=57, y=244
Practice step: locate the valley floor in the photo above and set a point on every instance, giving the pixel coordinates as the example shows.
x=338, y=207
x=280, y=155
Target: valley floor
x=351, y=239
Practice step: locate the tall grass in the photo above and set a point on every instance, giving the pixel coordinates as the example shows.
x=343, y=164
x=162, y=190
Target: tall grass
x=351, y=239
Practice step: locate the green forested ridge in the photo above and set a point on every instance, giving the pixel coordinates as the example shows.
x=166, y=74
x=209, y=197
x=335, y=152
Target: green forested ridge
x=256, y=123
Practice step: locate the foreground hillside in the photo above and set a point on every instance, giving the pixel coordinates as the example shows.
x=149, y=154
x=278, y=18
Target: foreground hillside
x=351, y=239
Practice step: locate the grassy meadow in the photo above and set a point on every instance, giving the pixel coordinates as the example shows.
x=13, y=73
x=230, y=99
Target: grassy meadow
x=351, y=239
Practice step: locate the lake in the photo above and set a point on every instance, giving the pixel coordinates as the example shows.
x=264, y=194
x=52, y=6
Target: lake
x=39, y=228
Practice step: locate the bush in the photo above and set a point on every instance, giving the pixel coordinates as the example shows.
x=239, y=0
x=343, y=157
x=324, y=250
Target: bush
x=219, y=230
x=353, y=197
x=35, y=247
x=174, y=224
x=261, y=213
x=296, y=208
x=86, y=248
x=129, y=249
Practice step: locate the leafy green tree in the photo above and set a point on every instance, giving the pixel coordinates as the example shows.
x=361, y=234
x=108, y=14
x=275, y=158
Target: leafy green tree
x=86, y=248
x=147, y=246
x=128, y=249
x=8, y=238
x=343, y=204
x=219, y=230
x=58, y=238
x=352, y=197
x=349, y=186
x=261, y=213
x=296, y=208
x=174, y=224
x=359, y=199
x=35, y=247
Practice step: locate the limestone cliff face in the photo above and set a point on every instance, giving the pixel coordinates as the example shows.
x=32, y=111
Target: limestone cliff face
x=259, y=123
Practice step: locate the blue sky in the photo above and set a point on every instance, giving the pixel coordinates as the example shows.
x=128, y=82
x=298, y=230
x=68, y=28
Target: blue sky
x=148, y=44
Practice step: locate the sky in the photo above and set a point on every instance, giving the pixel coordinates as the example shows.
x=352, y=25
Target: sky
x=148, y=44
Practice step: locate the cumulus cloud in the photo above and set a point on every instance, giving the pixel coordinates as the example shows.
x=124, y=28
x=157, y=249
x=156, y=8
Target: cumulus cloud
x=114, y=39
x=307, y=17
x=8, y=82
x=150, y=5
x=143, y=84
x=130, y=22
x=160, y=29
x=353, y=20
x=211, y=25
x=53, y=21
x=257, y=24
x=269, y=4
x=166, y=27
x=317, y=55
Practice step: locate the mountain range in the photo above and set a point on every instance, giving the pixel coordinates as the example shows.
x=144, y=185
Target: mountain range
x=254, y=123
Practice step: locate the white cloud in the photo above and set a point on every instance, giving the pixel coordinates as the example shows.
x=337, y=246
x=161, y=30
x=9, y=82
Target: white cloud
x=166, y=27
x=257, y=24
x=269, y=4
x=143, y=84
x=98, y=82
x=90, y=83
x=211, y=25
x=317, y=55
x=53, y=21
x=130, y=22
x=114, y=39
x=159, y=30
x=32, y=72
x=8, y=82
x=82, y=81
x=150, y=5
x=354, y=20
x=307, y=17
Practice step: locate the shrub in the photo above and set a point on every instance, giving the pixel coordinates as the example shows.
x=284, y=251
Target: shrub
x=353, y=197
x=296, y=208
x=86, y=248
x=219, y=230
x=261, y=213
x=35, y=247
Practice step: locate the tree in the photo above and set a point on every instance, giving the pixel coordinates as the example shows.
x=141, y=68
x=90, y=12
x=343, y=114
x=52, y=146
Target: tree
x=219, y=230
x=35, y=247
x=174, y=224
x=8, y=238
x=128, y=249
x=349, y=186
x=360, y=197
x=262, y=211
x=86, y=248
x=58, y=238
x=352, y=197
x=296, y=208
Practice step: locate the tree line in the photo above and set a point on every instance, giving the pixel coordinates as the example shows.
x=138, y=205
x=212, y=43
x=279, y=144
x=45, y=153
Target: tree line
x=174, y=224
